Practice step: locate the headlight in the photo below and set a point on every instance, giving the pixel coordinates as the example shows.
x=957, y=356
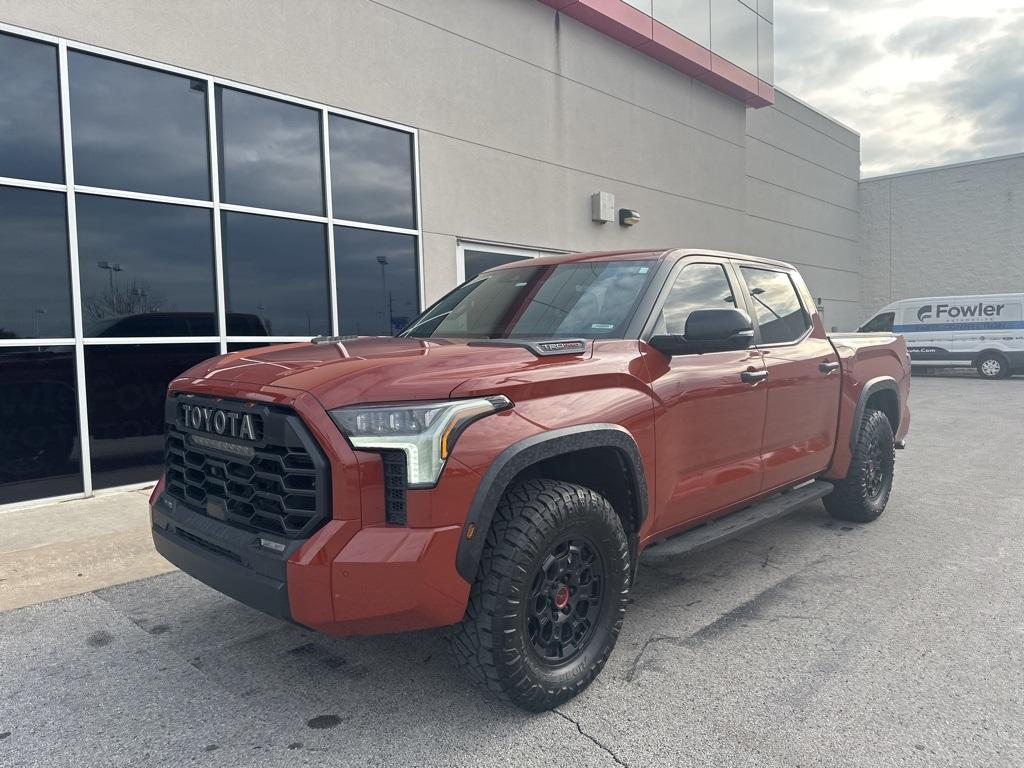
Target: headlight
x=425, y=432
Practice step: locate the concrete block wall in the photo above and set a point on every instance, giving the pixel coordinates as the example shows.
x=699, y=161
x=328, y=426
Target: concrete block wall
x=522, y=114
x=952, y=230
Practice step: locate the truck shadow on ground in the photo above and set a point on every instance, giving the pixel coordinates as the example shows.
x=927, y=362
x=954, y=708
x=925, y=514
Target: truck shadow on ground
x=277, y=666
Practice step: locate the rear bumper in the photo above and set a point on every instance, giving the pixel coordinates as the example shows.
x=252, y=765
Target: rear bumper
x=343, y=580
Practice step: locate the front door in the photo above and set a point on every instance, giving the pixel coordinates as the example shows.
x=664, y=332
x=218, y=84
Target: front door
x=803, y=384
x=708, y=420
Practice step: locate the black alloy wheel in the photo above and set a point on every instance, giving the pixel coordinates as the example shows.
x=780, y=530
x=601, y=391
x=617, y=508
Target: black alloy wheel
x=566, y=600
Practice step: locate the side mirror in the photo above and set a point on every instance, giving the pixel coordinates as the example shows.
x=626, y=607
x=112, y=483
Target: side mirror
x=708, y=330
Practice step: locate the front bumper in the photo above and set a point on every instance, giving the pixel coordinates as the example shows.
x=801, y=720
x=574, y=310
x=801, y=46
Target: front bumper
x=343, y=580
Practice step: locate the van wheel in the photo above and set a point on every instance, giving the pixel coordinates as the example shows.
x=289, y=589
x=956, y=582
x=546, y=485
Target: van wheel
x=992, y=365
x=549, y=598
x=862, y=495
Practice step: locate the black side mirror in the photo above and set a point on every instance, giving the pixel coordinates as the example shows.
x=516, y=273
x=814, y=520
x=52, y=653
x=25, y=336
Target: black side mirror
x=708, y=330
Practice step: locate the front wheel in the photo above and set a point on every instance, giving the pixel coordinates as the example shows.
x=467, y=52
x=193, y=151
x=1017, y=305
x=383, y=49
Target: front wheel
x=862, y=495
x=992, y=366
x=550, y=596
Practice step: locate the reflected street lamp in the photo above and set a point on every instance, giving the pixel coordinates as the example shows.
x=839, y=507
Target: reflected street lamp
x=111, y=269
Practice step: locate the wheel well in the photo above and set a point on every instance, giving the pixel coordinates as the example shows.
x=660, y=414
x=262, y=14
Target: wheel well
x=603, y=469
x=887, y=402
x=989, y=352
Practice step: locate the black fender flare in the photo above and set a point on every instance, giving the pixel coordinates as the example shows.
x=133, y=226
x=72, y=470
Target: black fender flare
x=527, y=452
x=871, y=387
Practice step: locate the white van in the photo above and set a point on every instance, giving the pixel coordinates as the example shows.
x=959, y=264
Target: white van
x=986, y=332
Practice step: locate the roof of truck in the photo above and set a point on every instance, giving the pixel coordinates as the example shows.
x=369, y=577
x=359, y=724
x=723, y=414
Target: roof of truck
x=646, y=254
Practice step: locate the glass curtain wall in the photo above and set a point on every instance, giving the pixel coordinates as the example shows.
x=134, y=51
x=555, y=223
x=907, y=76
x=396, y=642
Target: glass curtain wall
x=152, y=217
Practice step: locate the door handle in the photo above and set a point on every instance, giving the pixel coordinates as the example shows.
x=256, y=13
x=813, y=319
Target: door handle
x=752, y=377
x=828, y=368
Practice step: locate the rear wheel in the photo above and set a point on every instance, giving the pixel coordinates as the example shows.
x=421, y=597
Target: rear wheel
x=550, y=596
x=861, y=496
x=992, y=365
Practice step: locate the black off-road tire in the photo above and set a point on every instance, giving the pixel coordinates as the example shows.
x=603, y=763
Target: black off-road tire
x=861, y=496
x=495, y=644
x=992, y=365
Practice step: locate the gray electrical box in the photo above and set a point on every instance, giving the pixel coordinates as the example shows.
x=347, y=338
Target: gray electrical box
x=602, y=207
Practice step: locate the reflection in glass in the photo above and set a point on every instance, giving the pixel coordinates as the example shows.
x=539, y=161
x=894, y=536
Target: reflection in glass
x=480, y=261
x=275, y=274
x=30, y=146
x=690, y=18
x=377, y=281
x=734, y=33
x=35, y=293
x=270, y=153
x=765, y=51
x=780, y=315
x=39, y=452
x=146, y=268
x=699, y=286
x=125, y=390
x=371, y=173
x=138, y=129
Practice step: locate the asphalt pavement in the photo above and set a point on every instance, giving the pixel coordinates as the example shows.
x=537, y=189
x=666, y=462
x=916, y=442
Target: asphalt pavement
x=805, y=643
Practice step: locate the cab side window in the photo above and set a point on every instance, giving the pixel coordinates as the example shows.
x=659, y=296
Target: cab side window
x=698, y=286
x=879, y=323
x=780, y=314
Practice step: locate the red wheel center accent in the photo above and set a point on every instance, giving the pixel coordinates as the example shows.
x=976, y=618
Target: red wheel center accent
x=562, y=596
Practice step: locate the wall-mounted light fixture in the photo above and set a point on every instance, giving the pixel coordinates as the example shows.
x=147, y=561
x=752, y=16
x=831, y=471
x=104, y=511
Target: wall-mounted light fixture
x=628, y=217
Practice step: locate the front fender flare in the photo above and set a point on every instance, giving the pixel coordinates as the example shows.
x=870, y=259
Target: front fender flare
x=527, y=452
x=871, y=387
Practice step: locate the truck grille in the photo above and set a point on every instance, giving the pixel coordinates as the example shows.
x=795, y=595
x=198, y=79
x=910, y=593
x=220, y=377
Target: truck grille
x=277, y=483
x=394, y=487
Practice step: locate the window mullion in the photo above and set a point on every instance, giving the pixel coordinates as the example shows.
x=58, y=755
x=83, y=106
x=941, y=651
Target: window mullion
x=76, y=289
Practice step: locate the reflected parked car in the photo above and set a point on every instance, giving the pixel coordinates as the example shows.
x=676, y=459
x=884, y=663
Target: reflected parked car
x=126, y=385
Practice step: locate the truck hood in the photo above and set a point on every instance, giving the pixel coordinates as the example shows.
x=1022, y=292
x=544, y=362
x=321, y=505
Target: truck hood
x=369, y=369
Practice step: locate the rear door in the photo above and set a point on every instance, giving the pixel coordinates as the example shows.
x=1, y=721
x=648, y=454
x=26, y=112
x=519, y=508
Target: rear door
x=708, y=420
x=804, y=376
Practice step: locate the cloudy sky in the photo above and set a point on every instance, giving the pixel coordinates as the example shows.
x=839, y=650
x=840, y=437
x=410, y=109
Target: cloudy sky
x=926, y=82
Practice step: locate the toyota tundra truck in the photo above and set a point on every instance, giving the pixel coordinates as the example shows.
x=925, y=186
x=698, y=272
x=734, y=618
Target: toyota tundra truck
x=501, y=465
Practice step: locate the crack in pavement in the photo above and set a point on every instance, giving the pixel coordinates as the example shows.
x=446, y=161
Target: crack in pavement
x=608, y=750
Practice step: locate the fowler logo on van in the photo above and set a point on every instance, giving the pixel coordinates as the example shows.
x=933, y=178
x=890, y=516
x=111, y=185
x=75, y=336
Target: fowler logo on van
x=214, y=420
x=959, y=311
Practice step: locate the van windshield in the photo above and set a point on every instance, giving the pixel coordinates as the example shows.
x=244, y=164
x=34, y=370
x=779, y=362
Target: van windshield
x=592, y=300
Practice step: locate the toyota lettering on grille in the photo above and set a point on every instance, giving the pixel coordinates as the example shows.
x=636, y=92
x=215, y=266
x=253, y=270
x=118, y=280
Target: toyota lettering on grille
x=219, y=422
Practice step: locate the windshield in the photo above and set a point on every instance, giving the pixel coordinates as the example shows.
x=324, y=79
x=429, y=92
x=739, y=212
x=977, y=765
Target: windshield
x=591, y=300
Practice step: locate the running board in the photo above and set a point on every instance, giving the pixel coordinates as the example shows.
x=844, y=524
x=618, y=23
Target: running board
x=742, y=520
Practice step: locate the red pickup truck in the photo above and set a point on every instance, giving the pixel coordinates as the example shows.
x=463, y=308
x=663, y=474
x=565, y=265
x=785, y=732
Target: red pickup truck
x=501, y=465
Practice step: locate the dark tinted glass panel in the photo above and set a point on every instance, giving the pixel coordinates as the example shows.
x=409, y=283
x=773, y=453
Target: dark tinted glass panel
x=276, y=276
x=30, y=146
x=125, y=389
x=779, y=313
x=146, y=268
x=270, y=153
x=480, y=261
x=39, y=450
x=371, y=173
x=377, y=287
x=699, y=286
x=35, y=293
x=241, y=346
x=138, y=129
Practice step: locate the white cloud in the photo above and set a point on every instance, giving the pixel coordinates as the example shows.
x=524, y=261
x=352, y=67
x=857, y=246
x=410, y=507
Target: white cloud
x=926, y=82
